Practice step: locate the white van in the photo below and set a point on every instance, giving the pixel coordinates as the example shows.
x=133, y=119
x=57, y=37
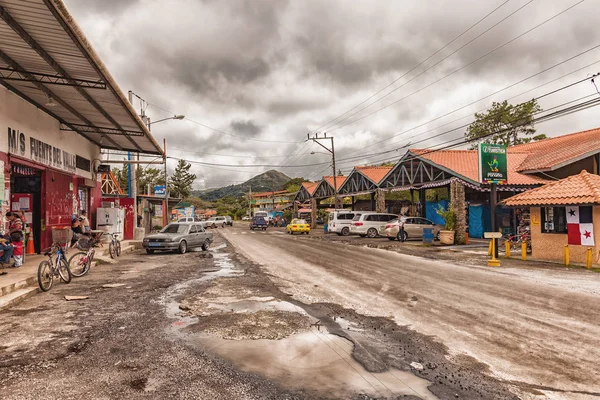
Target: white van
x=339, y=222
x=370, y=224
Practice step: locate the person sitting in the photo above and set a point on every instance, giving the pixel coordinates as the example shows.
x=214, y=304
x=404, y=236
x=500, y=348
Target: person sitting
x=77, y=231
x=85, y=222
x=7, y=249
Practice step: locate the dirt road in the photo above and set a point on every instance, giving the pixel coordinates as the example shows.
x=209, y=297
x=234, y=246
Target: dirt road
x=539, y=329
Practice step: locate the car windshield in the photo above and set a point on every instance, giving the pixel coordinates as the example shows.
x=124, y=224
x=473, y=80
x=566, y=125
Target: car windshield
x=175, y=228
x=258, y=219
x=212, y=219
x=299, y=221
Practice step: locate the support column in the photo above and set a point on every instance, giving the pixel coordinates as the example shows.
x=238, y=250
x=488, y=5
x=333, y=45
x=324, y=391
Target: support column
x=372, y=201
x=380, y=201
x=493, y=202
x=352, y=203
x=295, y=213
x=313, y=212
x=457, y=201
x=423, y=202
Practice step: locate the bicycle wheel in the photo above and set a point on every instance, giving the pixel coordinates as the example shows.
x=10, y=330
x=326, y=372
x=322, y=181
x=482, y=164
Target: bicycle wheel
x=112, y=252
x=79, y=264
x=63, y=271
x=45, y=276
x=118, y=247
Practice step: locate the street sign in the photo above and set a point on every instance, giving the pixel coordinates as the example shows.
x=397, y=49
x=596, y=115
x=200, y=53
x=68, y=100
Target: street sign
x=492, y=235
x=160, y=190
x=492, y=163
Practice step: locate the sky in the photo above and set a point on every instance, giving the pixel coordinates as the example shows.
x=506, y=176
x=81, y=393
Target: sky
x=254, y=77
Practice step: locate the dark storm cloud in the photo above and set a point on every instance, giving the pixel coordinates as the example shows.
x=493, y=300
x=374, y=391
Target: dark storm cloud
x=245, y=128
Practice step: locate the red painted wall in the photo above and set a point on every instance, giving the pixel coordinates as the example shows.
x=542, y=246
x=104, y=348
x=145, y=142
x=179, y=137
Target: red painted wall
x=57, y=202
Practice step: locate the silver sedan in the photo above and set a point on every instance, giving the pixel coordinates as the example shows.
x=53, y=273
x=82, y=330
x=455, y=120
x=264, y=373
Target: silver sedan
x=178, y=237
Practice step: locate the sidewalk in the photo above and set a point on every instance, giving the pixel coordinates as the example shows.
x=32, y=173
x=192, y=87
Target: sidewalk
x=20, y=283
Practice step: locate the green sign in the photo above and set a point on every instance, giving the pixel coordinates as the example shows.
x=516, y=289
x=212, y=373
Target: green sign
x=492, y=163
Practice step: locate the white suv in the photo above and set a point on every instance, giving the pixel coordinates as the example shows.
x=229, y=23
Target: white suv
x=370, y=223
x=339, y=222
x=213, y=222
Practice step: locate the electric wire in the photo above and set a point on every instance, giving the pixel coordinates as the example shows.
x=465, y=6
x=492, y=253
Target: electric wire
x=413, y=68
x=458, y=69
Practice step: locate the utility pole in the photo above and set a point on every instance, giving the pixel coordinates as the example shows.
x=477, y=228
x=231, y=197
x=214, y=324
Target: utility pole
x=316, y=138
x=166, y=200
x=131, y=175
x=250, y=202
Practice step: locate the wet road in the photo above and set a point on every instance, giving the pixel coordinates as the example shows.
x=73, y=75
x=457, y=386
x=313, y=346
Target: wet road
x=537, y=327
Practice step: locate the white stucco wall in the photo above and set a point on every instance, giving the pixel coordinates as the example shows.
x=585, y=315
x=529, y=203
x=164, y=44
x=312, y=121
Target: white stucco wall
x=52, y=147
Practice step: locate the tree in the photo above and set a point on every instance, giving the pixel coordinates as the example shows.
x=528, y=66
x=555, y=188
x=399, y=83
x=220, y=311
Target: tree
x=152, y=176
x=505, y=124
x=120, y=175
x=180, y=184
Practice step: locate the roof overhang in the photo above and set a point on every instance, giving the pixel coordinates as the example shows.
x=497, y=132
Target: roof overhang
x=44, y=55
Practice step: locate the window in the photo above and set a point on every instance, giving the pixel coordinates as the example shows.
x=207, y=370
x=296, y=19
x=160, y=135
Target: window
x=82, y=163
x=356, y=217
x=200, y=228
x=554, y=220
x=372, y=218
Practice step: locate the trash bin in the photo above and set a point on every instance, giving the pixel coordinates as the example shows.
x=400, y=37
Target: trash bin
x=428, y=235
x=326, y=228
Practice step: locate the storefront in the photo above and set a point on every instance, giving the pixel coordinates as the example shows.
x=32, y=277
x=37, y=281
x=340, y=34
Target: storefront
x=48, y=172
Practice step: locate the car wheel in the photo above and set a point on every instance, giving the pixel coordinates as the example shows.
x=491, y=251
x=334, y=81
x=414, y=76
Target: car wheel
x=206, y=245
x=402, y=236
x=345, y=231
x=372, y=232
x=223, y=225
x=362, y=235
x=182, y=247
x=149, y=251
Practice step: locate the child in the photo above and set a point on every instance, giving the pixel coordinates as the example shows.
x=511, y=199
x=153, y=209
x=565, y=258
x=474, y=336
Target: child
x=18, y=253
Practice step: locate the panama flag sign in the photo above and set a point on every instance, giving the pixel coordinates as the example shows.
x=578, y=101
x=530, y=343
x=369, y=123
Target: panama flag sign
x=580, y=226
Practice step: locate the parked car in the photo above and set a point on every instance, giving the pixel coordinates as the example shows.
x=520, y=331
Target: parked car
x=214, y=222
x=189, y=219
x=246, y=218
x=258, y=223
x=370, y=224
x=178, y=237
x=411, y=228
x=298, y=226
x=229, y=220
x=339, y=222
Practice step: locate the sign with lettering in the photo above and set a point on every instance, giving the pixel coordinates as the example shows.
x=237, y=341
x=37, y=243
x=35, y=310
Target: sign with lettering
x=492, y=163
x=160, y=190
x=41, y=152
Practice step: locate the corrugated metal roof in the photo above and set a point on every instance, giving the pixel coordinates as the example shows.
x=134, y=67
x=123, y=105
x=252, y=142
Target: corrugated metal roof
x=38, y=38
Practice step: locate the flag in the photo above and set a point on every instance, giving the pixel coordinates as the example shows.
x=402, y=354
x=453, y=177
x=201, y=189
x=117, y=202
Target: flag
x=580, y=226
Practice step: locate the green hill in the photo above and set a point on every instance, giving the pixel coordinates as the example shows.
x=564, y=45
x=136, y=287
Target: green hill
x=265, y=182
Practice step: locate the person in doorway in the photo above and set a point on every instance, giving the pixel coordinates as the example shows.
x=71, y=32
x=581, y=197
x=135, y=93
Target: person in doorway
x=139, y=221
x=77, y=231
x=85, y=222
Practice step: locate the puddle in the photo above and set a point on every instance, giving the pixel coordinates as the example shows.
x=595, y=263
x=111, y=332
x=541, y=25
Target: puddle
x=318, y=361
x=252, y=306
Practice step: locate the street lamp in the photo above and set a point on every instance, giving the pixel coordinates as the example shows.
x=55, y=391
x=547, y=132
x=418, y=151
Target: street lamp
x=164, y=119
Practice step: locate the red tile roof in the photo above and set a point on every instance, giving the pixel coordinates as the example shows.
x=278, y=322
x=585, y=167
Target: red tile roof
x=552, y=153
x=465, y=163
x=376, y=174
x=339, y=180
x=576, y=189
x=310, y=187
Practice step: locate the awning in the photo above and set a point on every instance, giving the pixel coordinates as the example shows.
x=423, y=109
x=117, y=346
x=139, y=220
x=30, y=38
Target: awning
x=46, y=60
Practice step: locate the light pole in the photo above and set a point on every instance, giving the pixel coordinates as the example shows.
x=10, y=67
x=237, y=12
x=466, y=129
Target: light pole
x=331, y=151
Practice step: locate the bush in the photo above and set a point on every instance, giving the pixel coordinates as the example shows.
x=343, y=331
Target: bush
x=449, y=217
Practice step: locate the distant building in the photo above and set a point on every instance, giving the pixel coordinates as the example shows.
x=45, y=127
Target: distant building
x=271, y=201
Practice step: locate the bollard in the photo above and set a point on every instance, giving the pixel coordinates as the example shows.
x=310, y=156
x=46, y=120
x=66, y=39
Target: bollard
x=566, y=258
x=491, y=247
x=507, y=246
x=494, y=262
x=589, y=256
x=524, y=250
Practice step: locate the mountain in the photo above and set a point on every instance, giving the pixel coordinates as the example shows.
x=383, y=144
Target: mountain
x=265, y=182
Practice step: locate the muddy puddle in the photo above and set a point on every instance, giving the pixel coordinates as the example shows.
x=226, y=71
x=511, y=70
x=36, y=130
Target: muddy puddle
x=309, y=359
x=317, y=361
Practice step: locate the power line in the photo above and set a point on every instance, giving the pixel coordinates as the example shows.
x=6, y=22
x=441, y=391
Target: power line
x=458, y=69
x=415, y=67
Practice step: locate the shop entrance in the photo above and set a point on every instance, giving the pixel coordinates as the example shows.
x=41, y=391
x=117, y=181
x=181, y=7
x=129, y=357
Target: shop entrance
x=26, y=198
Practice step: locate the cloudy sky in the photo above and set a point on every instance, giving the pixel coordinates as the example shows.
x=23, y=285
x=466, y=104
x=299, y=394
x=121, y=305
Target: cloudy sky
x=254, y=77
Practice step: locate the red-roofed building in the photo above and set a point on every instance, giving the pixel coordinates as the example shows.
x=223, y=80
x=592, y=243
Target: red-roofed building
x=275, y=201
x=550, y=206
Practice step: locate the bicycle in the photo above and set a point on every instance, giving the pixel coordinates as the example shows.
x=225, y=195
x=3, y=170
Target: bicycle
x=51, y=268
x=80, y=263
x=114, y=247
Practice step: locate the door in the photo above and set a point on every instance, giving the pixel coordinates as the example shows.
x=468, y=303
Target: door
x=193, y=238
x=411, y=227
x=202, y=235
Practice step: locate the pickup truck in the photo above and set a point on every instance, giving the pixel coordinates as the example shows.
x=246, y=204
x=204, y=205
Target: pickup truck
x=258, y=223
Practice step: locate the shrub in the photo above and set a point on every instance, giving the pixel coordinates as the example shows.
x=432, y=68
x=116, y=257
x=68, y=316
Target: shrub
x=449, y=217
